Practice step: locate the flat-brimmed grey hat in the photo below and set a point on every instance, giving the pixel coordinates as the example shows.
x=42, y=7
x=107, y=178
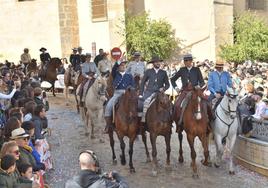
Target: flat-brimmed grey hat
x=19, y=133
x=187, y=57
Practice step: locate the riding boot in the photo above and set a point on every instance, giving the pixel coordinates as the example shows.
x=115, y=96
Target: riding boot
x=108, y=126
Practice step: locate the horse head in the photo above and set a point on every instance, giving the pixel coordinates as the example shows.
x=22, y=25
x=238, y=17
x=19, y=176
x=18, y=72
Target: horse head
x=56, y=62
x=196, y=98
x=100, y=86
x=231, y=98
x=163, y=100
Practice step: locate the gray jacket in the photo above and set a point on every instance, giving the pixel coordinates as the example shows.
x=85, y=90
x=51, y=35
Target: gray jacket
x=89, y=179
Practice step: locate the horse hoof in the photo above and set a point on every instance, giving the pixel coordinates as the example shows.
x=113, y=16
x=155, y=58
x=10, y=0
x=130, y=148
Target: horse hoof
x=86, y=134
x=132, y=170
x=92, y=137
x=216, y=165
x=114, y=162
x=101, y=141
x=154, y=173
x=148, y=160
x=231, y=172
x=206, y=163
x=123, y=161
x=195, y=176
x=181, y=159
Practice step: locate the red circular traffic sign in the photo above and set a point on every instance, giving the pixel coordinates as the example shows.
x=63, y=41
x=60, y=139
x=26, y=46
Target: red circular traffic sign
x=116, y=53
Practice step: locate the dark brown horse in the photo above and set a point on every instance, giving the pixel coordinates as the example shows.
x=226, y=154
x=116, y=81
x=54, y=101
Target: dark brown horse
x=127, y=123
x=159, y=122
x=196, y=124
x=50, y=75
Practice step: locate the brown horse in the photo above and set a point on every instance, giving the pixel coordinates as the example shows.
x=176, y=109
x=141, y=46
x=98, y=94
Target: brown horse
x=159, y=122
x=127, y=123
x=195, y=123
x=69, y=80
x=50, y=75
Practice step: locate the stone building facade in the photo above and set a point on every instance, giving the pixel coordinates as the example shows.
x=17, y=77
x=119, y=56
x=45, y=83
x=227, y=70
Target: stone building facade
x=60, y=25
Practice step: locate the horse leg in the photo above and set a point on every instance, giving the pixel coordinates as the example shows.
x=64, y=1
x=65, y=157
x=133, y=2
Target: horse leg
x=154, y=153
x=219, y=150
x=76, y=100
x=53, y=89
x=92, y=136
x=130, y=152
x=122, y=146
x=168, y=149
x=144, y=139
x=111, y=137
x=190, y=139
x=180, y=151
x=204, y=141
x=231, y=146
x=86, y=118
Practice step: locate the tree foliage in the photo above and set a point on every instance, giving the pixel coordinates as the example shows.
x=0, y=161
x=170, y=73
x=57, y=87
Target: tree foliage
x=250, y=40
x=149, y=36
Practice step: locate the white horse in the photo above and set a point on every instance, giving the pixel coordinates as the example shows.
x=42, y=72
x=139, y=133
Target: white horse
x=226, y=125
x=93, y=107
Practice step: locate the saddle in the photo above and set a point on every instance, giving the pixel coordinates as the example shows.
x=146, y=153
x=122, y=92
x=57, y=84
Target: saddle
x=215, y=104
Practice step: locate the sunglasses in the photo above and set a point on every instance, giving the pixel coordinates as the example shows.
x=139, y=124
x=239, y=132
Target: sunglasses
x=17, y=152
x=26, y=138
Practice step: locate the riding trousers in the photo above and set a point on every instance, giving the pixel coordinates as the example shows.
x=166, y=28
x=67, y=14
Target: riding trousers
x=109, y=107
x=148, y=98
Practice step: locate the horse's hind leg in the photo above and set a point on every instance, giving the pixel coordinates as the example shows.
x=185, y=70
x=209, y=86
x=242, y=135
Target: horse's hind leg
x=204, y=141
x=231, y=146
x=111, y=137
x=122, y=146
x=154, y=152
x=53, y=89
x=180, y=151
x=190, y=139
x=219, y=150
x=130, y=152
x=144, y=139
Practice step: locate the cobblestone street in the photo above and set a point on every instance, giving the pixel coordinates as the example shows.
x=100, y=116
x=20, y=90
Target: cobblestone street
x=68, y=139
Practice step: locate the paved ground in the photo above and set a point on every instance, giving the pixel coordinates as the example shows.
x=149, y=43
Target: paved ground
x=68, y=139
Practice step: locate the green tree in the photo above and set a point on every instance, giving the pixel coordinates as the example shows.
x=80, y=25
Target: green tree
x=250, y=40
x=149, y=36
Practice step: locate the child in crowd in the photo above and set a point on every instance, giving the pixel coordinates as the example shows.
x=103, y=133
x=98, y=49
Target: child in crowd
x=8, y=166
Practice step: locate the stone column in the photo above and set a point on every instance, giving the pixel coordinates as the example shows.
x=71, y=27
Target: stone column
x=69, y=28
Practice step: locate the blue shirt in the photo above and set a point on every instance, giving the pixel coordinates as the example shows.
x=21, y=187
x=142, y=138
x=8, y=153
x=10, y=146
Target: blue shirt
x=218, y=82
x=121, y=81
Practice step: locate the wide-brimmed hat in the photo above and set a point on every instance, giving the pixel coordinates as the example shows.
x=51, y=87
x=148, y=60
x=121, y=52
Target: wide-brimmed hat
x=74, y=49
x=19, y=133
x=187, y=57
x=123, y=62
x=80, y=48
x=155, y=58
x=43, y=49
x=219, y=64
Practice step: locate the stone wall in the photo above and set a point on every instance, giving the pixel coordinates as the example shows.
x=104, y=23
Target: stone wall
x=69, y=27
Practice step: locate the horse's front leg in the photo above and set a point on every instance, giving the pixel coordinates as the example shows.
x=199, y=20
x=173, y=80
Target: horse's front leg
x=154, y=153
x=231, y=147
x=180, y=151
x=219, y=149
x=53, y=89
x=144, y=139
x=130, y=152
x=168, y=149
x=111, y=138
x=204, y=140
x=122, y=146
x=190, y=139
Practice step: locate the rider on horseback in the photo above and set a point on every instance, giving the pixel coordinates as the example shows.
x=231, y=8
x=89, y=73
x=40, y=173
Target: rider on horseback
x=218, y=81
x=121, y=81
x=45, y=59
x=136, y=67
x=90, y=72
x=190, y=76
x=157, y=81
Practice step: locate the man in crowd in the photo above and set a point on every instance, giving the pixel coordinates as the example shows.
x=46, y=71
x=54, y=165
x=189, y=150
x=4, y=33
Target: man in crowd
x=90, y=176
x=105, y=65
x=99, y=57
x=25, y=58
x=45, y=59
x=75, y=59
x=156, y=80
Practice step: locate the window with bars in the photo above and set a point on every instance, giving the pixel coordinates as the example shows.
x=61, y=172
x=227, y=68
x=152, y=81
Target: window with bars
x=99, y=10
x=256, y=4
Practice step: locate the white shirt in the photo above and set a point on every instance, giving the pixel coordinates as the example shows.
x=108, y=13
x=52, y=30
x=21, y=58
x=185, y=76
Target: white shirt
x=260, y=110
x=9, y=96
x=156, y=70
